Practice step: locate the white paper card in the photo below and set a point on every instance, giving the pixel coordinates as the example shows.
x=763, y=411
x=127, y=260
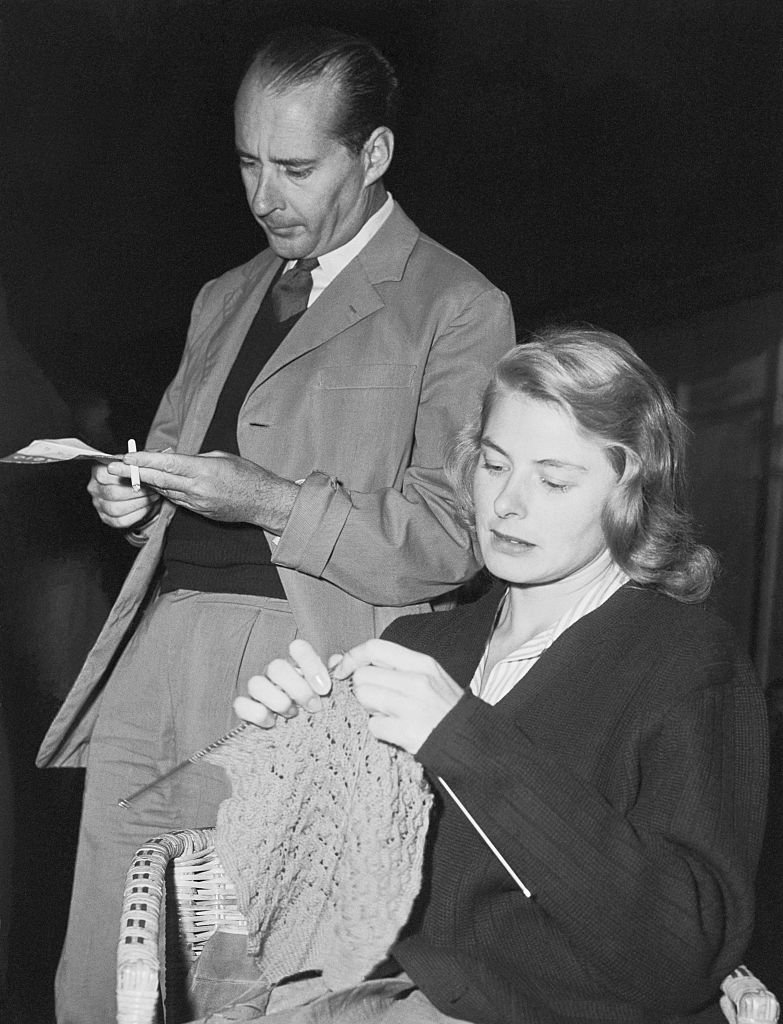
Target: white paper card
x=59, y=450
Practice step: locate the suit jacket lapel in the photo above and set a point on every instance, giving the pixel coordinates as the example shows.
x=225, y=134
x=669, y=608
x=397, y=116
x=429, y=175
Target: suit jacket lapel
x=239, y=308
x=352, y=295
x=348, y=299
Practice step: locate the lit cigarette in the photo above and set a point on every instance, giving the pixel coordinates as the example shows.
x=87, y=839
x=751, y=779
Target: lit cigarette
x=135, y=479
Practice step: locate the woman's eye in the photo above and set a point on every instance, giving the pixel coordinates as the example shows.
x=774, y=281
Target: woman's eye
x=553, y=486
x=491, y=467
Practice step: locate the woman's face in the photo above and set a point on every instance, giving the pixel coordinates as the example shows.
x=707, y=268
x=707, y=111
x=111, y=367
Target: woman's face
x=539, y=488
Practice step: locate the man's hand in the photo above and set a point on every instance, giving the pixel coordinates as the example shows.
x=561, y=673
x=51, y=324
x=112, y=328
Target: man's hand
x=286, y=687
x=220, y=486
x=406, y=693
x=115, y=501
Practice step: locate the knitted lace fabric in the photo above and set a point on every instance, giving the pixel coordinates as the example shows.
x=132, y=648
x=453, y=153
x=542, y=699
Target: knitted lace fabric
x=323, y=838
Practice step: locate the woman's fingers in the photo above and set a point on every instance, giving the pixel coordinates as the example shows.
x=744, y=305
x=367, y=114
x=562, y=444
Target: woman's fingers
x=290, y=681
x=400, y=686
x=385, y=690
x=253, y=711
x=285, y=687
x=405, y=706
x=265, y=701
x=310, y=665
x=383, y=654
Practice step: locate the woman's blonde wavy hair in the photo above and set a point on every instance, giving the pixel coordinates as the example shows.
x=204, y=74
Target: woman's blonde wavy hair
x=618, y=401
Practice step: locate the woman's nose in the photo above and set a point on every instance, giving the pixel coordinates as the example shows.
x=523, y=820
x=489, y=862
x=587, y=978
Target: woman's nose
x=511, y=500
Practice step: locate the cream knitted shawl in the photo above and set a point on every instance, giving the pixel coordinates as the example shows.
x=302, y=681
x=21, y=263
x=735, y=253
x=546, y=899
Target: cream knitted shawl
x=323, y=838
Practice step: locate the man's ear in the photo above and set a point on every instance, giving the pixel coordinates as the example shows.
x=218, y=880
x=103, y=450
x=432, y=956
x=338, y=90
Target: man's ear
x=377, y=154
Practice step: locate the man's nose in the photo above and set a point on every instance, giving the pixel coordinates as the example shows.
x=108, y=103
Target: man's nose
x=266, y=197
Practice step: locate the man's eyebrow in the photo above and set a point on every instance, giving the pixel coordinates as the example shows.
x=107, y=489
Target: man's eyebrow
x=293, y=161
x=279, y=161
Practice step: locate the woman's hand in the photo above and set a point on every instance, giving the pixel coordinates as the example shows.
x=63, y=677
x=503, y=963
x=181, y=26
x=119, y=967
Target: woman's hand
x=285, y=687
x=406, y=693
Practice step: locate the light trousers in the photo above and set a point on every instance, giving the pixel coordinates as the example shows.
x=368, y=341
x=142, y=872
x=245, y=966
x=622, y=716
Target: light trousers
x=307, y=1001
x=169, y=695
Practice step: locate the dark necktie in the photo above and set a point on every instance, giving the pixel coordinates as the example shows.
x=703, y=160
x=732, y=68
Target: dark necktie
x=292, y=290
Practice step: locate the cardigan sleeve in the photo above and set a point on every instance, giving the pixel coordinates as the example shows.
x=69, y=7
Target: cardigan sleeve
x=651, y=889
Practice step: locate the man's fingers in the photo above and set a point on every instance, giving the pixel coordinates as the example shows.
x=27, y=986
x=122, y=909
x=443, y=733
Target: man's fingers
x=119, y=521
x=171, y=483
x=168, y=462
x=119, y=493
x=181, y=478
x=107, y=474
x=121, y=507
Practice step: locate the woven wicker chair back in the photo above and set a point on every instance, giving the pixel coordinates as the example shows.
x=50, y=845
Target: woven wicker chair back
x=176, y=877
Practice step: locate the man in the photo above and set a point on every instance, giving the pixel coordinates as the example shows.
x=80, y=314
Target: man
x=303, y=493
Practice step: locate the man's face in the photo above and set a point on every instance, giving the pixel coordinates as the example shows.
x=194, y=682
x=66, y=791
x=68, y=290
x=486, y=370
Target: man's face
x=307, y=191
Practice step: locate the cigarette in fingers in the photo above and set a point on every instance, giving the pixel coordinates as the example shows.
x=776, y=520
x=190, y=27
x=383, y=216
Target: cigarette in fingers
x=134, y=470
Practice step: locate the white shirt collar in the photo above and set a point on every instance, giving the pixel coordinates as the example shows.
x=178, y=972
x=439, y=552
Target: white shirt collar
x=330, y=264
x=518, y=662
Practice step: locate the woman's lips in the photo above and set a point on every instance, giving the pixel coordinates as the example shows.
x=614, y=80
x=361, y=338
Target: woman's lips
x=507, y=541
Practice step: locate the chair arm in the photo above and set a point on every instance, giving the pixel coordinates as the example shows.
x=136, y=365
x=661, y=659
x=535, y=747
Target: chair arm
x=138, y=966
x=746, y=1000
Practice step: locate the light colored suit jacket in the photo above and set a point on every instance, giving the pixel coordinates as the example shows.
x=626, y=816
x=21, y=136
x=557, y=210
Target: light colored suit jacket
x=359, y=401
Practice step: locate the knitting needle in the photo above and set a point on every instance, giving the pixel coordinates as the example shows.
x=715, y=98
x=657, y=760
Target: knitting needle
x=135, y=478
x=485, y=837
x=128, y=800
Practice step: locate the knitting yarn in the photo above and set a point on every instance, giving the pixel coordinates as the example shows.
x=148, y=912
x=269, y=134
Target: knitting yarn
x=323, y=837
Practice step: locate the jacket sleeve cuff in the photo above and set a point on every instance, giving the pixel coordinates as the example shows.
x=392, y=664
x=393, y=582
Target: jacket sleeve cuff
x=139, y=534
x=316, y=521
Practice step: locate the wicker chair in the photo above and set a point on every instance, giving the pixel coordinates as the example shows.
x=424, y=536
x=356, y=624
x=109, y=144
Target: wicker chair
x=176, y=876
x=180, y=872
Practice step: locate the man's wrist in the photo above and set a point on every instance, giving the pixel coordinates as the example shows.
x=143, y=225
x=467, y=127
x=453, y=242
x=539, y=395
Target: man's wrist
x=272, y=503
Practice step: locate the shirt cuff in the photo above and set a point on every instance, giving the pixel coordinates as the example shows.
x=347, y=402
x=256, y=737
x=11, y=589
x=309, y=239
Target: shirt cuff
x=314, y=525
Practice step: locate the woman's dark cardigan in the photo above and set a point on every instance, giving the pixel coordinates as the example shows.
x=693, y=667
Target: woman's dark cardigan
x=624, y=780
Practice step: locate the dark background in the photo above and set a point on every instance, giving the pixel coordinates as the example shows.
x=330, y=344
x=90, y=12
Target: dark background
x=617, y=161
x=597, y=157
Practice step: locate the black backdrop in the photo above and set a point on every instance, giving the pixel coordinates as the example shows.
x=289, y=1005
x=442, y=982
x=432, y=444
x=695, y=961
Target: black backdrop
x=587, y=155
x=572, y=149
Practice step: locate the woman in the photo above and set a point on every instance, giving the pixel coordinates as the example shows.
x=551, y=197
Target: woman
x=595, y=736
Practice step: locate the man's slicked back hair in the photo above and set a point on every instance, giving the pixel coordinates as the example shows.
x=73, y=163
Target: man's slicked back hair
x=366, y=82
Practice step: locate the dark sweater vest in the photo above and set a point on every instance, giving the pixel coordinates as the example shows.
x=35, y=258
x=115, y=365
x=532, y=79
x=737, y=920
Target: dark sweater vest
x=230, y=558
